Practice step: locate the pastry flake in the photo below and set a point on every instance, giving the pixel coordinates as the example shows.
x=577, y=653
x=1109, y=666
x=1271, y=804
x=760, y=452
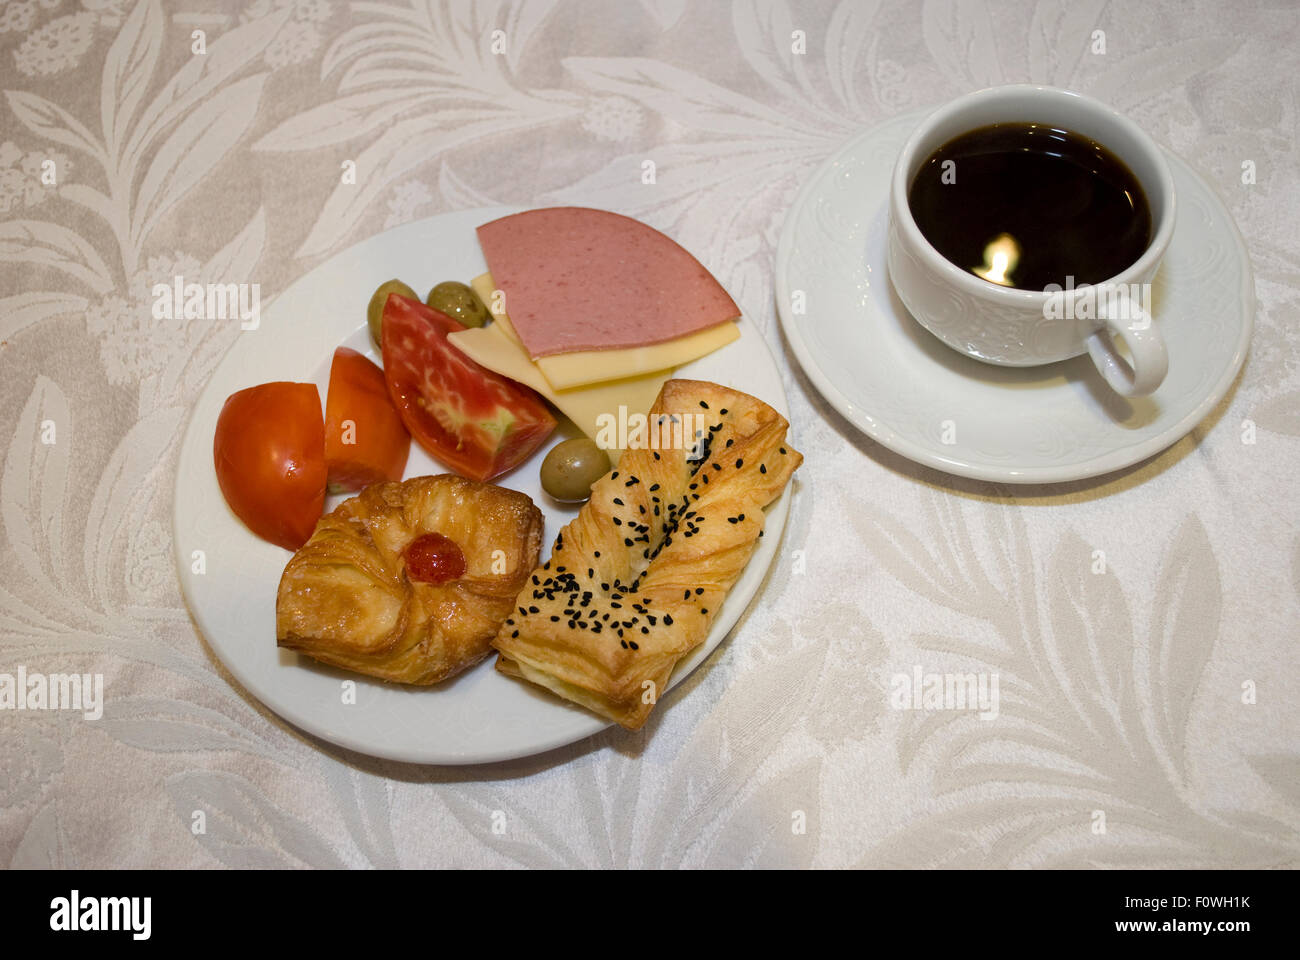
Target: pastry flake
x=636, y=579
x=347, y=597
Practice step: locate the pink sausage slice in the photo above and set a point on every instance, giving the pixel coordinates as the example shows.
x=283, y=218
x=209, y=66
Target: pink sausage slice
x=581, y=279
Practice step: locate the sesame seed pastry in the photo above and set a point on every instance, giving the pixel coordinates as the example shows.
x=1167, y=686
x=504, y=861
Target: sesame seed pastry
x=636, y=579
x=404, y=582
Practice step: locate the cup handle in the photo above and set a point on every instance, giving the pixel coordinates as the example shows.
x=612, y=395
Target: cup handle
x=1147, y=347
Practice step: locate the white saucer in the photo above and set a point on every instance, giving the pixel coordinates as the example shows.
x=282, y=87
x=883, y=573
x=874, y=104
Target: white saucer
x=910, y=392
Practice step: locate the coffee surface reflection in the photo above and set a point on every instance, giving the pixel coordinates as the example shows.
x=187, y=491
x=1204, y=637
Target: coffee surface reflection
x=1028, y=205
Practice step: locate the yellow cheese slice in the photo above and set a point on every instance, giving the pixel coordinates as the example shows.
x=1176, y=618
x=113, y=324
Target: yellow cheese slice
x=565, y=371
x=590, y=408
x=486, y=289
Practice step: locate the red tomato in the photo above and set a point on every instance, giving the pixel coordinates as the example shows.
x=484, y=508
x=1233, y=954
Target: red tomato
x=365, y=441
x=477, y=422
x=270, y=456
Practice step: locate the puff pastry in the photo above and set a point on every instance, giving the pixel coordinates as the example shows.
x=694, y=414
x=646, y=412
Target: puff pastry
x=636, y=579
x=347, y=597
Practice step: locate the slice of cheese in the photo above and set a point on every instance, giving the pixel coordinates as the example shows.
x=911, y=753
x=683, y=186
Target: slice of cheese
x=565, y=371
x=590, y=408
x=494, y=300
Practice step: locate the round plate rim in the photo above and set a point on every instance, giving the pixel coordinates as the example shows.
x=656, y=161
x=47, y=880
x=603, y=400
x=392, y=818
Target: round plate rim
x=776, y=517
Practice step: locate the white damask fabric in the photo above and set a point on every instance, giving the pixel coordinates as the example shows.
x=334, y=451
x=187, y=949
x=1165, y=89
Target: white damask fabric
x=1147, y=711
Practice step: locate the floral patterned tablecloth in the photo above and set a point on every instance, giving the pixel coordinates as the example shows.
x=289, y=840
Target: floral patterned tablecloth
x=1148, y=710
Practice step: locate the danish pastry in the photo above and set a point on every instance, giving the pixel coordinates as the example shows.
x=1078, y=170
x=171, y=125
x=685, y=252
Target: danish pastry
x=636, y=579
x=409, y=581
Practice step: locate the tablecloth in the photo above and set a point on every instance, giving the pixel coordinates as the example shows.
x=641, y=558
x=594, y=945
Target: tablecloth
x=1142, y=627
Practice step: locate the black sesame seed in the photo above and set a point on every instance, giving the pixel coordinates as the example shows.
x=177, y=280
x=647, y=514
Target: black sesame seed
x=618, y=501
x=762, y=468
x=656, y=453
x=723, y=411
x=704, y=405
x=740, y=463
x=614, y=475
x=732, y=520
x=627, y=541
x=645, y=629
x=555, y=619
x=533, y=610
x=783, y=451
x=668, y=619
x=622, y=642
x=632, y=644
x=523, y=612
x=740, y=517
x=717, y=466
x=618, y=522
x=704, y=609
x=698, y=591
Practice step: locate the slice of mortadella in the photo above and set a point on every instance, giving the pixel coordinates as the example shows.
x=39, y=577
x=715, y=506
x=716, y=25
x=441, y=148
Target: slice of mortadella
x=581, y=279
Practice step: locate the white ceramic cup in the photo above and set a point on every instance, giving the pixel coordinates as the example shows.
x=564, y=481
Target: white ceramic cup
x=1021, y=328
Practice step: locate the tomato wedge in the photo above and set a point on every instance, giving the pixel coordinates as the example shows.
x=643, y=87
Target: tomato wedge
x=269, y=451
x=477, y=422
x=365, y=441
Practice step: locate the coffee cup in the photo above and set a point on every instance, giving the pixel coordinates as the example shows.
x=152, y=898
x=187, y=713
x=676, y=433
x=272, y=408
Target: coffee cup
x=1009, y=326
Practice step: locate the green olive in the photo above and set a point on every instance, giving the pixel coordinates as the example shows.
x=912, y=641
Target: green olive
x=459, y=302
x=375, y=310
x=571, y=468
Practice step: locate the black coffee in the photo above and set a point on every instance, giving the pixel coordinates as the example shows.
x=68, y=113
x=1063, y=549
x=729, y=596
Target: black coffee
x=1026, y=205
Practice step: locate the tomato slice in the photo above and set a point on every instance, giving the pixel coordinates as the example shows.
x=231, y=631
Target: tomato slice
x=477, y=422
x=365, y=441
x=269, y=451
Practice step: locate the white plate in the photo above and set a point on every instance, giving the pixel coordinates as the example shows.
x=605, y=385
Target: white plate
x=479, y=716
x=910, y=392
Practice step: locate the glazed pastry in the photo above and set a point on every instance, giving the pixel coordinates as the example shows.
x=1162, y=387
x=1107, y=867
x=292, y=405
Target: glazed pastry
x=409, y=581
x=637, y=578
